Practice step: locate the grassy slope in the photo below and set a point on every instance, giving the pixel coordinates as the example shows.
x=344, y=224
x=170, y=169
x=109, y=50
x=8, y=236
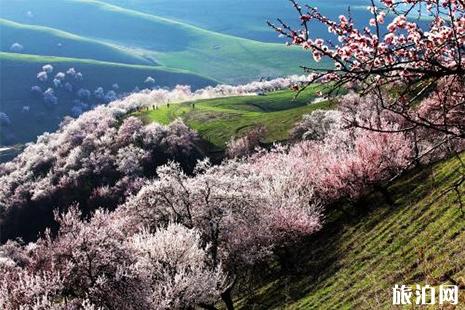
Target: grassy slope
x=217, y=120
x=40, y=40
x=356, y=260
x=20, y=75
x=170, y=43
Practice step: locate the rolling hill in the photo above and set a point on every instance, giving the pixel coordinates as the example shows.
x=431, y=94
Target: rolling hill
x=217, y=120
x=46, y=41
x=19, y=75
x=111, y=44
x=170, y=43
x=362, y=253
x=242, y=18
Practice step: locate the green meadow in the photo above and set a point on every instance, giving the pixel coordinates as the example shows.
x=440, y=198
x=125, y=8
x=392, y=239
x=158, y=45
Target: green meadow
x=217, y=120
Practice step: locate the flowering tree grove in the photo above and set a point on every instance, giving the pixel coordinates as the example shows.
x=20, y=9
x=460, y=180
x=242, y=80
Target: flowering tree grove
x=242, y=214
x=96, y=160
x=143, y=221
x=184, y=240
x=98, y=264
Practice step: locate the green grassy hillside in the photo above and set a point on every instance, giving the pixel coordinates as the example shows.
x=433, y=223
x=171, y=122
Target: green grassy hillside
x=360, y=255
x=19, y=75
x=242, y=18
x=217, y=120
x=170, y=43
x=46, y=41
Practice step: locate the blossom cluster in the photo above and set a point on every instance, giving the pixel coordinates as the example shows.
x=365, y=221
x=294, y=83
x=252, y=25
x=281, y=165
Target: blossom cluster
x=403, y=49
x=96, y=160
x=410, y=57
x=100, y=264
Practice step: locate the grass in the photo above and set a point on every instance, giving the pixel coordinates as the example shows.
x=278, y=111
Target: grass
x=20, y=75
x=217, y=120
x=167, y=42
x=357, y=259
x=32, y=58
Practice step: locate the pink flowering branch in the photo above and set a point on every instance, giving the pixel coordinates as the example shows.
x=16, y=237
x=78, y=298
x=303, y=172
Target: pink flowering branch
x=405, y=58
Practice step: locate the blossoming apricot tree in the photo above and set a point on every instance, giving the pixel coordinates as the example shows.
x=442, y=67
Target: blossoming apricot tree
x=420, y=51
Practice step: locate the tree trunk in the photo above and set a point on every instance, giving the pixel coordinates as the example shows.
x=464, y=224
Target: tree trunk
x=207, y=307
x=386, y=195
x=227, y=299
x=286, y=260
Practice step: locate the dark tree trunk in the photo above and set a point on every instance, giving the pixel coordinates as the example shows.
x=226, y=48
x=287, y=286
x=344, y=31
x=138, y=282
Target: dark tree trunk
x=207, y=307
x=286, y=260
x=386, y=195
x=227, y=298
